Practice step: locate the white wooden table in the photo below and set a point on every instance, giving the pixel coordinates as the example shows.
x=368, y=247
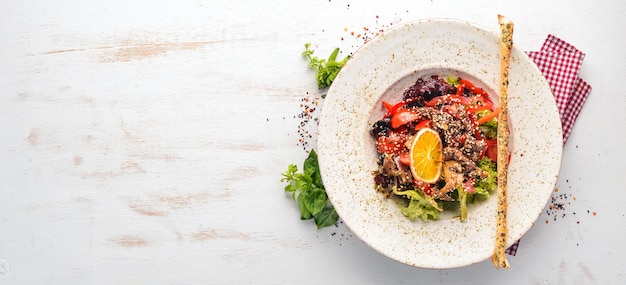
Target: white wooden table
x=142, y=142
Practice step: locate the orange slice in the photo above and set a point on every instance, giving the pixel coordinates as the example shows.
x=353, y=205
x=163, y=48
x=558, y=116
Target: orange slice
x=426, y=156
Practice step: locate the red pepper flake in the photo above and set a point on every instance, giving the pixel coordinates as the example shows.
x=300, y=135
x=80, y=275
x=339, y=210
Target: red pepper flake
x=308, y=106
x=369, y=33
x=594, y=213
x=557, y=205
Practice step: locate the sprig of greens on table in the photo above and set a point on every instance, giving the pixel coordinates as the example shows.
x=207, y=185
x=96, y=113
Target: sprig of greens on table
x=306, y=187
x=308, y=190
x=325, y=69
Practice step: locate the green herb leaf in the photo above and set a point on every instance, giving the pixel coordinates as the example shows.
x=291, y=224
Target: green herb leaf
x=453, y=80
x=315, y=199
x=311, y=196
x=326, y=70
x=327, y=217
x=305, y=214
x=312, y=165
x=483, y=187
x=462, y=203
x=289, y=174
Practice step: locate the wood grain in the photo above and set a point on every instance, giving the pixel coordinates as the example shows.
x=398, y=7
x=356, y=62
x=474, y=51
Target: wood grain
x=142, y=142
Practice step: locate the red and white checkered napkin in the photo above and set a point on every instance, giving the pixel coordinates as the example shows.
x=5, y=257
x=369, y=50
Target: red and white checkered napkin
x=560, y=62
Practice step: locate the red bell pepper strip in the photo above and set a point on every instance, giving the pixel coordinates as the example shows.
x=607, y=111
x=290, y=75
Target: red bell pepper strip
x=479, y=91
x=460, y=89
x=387, y=105
x=486, y=100
x=422, y=124
x=402, y=117
x=473, y=88
x=450, y=98
x=479, y=108
x=398, y=106
x=472, y=118
x=491, y=150
x=477, y=134
x=466, y=82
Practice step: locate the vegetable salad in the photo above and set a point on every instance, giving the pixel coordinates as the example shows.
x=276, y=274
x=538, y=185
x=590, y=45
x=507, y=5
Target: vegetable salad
x=465, y=119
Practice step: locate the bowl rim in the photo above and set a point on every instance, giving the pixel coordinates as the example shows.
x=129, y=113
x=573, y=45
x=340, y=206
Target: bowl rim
x=325, y=158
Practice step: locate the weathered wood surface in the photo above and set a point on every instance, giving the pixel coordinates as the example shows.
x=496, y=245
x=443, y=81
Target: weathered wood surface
x=142, y=142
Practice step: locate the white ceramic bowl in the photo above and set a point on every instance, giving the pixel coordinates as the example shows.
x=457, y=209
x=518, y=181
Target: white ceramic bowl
x=381, y=70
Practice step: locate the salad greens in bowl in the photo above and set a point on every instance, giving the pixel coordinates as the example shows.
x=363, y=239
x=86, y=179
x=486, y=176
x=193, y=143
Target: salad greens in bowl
x=386, y=158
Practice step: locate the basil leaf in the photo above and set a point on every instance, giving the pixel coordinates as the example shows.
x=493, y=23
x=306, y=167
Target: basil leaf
x=308, y=190
x=305, y=214
x=314, y=200
x=325, y=70
x=311, y=164
x=327, y=217
x=333, y=56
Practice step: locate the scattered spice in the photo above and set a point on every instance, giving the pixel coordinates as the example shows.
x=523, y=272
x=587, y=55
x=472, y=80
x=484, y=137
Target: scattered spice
x=369, y=33
x=557, y=205
x=341, y=236
x=308, y=121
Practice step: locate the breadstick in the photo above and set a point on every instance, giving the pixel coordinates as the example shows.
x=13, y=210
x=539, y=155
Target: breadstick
x=506, y=44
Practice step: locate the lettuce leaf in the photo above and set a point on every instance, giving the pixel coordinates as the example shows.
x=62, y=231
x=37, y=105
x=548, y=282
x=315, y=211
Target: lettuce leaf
x=420, y=206
x=483, y=188
x=453, y=80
